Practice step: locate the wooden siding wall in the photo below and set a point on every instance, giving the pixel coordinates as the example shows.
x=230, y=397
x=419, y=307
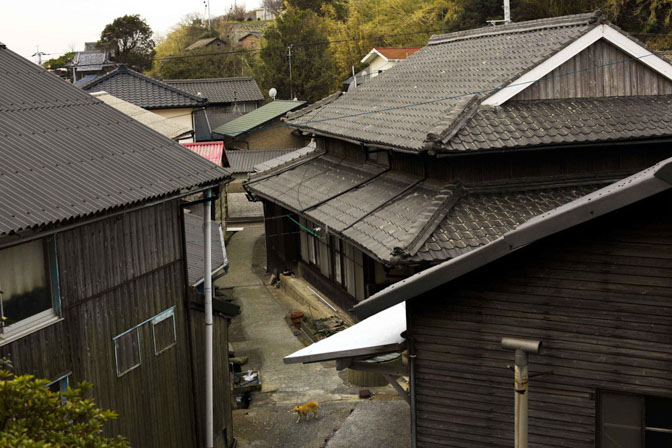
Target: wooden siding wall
x=600, y=299
x=114, y=274
x=282, y=238
x=339, y=148
x=568, y=163
x=573, y=80
x=222, y=380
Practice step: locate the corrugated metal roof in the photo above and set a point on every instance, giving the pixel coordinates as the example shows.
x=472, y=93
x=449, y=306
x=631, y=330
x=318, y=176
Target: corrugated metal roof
x=64, y=154
x=241, y=161
x=143, y=91
x=220, y=90
x=162, y=125
x=195, y=248
x=209, y=150
x=257, y=117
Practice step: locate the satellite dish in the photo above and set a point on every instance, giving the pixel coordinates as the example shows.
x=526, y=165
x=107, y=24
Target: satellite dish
x=273, y=92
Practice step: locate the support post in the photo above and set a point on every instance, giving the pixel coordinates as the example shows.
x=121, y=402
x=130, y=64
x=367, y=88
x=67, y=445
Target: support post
x=207, y=289
x=522, y=347
x=507, y=11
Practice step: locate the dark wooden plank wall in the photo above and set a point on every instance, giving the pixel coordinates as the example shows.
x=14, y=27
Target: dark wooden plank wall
x=600, y=299
x=561, y=163
x=223, y=419
x=282, y=238
x=115, y=274
x=622, y=78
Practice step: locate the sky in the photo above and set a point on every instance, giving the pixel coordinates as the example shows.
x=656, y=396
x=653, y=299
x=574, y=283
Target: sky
x=60, y=25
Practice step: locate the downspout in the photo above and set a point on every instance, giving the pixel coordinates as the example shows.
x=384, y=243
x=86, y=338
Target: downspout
x=411, y=367
x=207, y=287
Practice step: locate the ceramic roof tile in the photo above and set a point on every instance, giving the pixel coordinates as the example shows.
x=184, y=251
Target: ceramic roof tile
x=436, y=77
x=220, y=90
x=559, y=121
x=143, y=91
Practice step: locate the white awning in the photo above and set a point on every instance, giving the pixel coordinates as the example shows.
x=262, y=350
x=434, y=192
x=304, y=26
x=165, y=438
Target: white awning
x=380, y=333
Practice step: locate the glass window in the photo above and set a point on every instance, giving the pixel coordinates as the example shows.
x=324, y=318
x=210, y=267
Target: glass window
x=27, y=295
x=635, y=421
x=164, y=332
x=127, y=351
x=337, y=262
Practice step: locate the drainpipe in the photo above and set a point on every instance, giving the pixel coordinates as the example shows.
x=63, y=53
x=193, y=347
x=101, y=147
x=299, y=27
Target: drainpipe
x=522, y=347
x=207, y=286
x=411, y=367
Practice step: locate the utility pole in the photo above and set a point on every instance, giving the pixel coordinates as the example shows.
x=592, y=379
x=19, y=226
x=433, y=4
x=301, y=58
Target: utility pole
x=39, y=55
x=291, y=87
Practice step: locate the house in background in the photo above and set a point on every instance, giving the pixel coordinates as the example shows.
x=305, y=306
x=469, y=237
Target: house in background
x=262, y=128
x=163, y=99
x=228, y=98
x=250, y=41
x=94, y=272
x=90, y=63
x=378, y=60
x=162, y=125
x=215, y=153
x=553, y=110
x=214, y=43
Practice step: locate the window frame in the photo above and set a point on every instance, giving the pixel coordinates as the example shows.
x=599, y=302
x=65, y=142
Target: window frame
x=116, y=352
x=43, y=319
x=168, y=314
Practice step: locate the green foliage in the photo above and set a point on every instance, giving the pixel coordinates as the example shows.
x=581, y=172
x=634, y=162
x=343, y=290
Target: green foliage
x=59, y=62
x=31, y=416
x=206, y=63
x=313, y=70
x=129, y=39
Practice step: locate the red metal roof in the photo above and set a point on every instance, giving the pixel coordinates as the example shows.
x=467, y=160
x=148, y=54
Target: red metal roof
x=209, y=150
x=397, y=52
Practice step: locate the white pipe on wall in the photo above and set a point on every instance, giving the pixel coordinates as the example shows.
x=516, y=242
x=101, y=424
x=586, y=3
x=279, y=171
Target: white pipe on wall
x=207, y=287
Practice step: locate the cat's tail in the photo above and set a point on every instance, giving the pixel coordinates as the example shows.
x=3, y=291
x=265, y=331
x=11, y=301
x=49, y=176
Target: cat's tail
x=318, y=405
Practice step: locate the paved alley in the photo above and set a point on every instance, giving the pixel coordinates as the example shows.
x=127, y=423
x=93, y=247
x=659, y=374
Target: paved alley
x=262, y=334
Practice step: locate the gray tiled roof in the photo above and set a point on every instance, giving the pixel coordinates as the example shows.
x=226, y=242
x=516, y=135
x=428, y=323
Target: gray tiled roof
x=480, y=218
x=314, y=181
x=449, y=66
x=220, y=90
x=290, y=157
x=143, y=91
x=399, y=218
x=90, y=61
x=65, y=154
x=242, y=161
x=575, y=120
x=195, y=248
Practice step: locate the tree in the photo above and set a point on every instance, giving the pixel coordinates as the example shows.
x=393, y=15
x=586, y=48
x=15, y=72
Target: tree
x=31, y=416
x=313, y=71
x=206, y=63
x=274, y=6
x=59, y=62
x=129, y=39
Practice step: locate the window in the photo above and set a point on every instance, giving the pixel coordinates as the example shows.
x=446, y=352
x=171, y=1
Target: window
x=127, y=348
x=337, y=260
x=164, y=332
x=634, y=421
x=127, y=351
x=29, y=295
x=60, y=385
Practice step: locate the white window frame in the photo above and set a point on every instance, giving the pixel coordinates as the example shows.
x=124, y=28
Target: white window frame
x=116, y=354
x=169, y=314
x=45, y=318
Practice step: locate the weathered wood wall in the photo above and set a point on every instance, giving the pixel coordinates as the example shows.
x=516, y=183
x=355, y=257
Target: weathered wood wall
x=616, y=74
x=600, y=299
x=113, y=275
x=222, y=383
x=282, y=238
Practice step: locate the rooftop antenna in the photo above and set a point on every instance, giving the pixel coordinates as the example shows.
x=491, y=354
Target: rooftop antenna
x=507, y=15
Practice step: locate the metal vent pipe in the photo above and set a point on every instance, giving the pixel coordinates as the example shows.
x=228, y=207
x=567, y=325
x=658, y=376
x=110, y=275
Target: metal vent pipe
x=522, y=347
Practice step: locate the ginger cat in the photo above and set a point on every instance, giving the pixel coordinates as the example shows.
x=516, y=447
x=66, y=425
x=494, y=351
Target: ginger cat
x=303, y=410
